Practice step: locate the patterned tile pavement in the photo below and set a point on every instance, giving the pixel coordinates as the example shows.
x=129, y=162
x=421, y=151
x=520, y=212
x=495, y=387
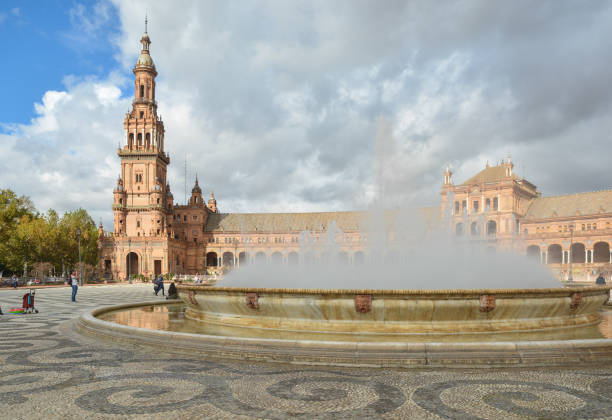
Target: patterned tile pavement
x=48, y=371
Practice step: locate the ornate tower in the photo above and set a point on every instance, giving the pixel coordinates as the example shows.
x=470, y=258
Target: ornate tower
x=141, y=201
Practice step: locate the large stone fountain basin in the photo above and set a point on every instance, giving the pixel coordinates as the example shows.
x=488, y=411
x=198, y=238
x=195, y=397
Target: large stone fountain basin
x=389, y=314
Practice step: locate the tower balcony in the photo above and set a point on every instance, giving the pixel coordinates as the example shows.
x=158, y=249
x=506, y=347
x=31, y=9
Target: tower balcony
x=144, y=101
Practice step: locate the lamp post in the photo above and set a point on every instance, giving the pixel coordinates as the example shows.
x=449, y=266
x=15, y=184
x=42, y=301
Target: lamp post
x=129, y=261
x=80, y=263
x=570, y=277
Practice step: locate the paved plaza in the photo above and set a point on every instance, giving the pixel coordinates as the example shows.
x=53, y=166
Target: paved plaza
x=49, y=371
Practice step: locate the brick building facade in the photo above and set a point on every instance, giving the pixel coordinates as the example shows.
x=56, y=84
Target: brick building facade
x=152, y=235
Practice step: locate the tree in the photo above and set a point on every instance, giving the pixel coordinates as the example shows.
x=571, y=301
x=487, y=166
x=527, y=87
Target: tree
x=27, y=236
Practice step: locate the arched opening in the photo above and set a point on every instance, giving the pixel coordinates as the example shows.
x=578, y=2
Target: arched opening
x=260, y=258
x=459, y=229
x=491, y=228
x=577, y=253
x=147, y=140
x=228, y=259
x=131, y=264
x=343, y=258
x=139, y=140
x=293, y=258
x=358, y=258
x=555, y=254
x=243, y=258
x=277, y=258
x=142, y=91
x=488, y=204
x=601, y=252
x=495, y=204
x=533, y=251
x=474, y=229
x=131, y=141
x=211, y=259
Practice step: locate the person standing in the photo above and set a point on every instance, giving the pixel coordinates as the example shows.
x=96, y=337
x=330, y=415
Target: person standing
x=74, y=282
x=14, y=279
x=600, y=280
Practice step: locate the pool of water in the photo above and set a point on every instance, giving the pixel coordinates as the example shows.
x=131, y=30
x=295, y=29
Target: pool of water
x=172, y=318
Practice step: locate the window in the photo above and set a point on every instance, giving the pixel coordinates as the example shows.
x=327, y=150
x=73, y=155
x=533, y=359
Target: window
x=594, y=226
x=195, y=217
x=456, y=207
x=463, y=204
x=184, y=217
x=589, y=226
x=583, y=226
x=139, y=177
x=142, y=91
x=495, y=204
x=138, y=223
x=488, y=203
x=121, y=201
x=475, y=206
x=141, y=114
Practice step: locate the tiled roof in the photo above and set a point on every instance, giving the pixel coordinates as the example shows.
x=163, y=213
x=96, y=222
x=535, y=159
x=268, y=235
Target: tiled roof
x=571, y=205
x=298, y=222
x=280, y=222
x=488, y=174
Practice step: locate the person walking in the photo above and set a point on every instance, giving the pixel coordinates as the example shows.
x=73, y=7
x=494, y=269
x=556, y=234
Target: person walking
x=161, y=285
x=74, y=282
x=600, y=280
x=14, y=281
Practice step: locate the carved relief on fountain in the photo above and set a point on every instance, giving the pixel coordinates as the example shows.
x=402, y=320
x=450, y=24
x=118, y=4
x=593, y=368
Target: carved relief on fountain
x=363, y=303
x=576, y=299
x=252, y=300
x=487, y=303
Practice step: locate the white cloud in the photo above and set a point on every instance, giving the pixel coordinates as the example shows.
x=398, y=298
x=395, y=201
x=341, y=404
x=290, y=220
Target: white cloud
x=275, y=104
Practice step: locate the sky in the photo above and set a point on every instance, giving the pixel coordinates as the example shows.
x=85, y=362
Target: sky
x=307, y=105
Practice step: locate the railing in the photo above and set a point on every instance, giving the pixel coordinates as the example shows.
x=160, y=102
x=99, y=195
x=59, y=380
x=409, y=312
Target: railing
x=145, y=101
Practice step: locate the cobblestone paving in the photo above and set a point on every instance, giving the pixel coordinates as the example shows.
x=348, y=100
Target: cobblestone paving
x=49, y=371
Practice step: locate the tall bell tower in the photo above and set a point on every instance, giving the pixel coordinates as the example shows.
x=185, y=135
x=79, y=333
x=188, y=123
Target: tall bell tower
x=140, y=202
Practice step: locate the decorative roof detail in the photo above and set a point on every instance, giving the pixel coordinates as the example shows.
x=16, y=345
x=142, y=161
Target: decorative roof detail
x=489, y=174
x=196, y=188
x=145, y=59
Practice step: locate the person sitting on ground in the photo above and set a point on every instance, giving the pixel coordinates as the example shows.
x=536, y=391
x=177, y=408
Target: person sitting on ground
x=172, y=292
x=600, y=280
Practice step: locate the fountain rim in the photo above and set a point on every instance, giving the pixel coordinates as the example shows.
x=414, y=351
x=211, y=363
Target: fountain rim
x=556, y=291
x=365, y=354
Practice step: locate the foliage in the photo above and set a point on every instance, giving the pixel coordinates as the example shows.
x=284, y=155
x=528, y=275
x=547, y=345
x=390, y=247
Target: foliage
x=27, y=236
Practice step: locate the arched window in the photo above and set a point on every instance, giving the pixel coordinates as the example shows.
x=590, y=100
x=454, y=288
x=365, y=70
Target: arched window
x=142, y=91
x=147, y=140
x=601, y=252
x=131, y=141
x=491, y=228
x=555, y=254
x=474, y=229
x=577, y=253
x=459, y=229
x=139, y=140
x=495, y=204
x=533, y=251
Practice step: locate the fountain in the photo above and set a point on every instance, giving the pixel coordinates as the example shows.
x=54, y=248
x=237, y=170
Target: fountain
x=364, y=315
